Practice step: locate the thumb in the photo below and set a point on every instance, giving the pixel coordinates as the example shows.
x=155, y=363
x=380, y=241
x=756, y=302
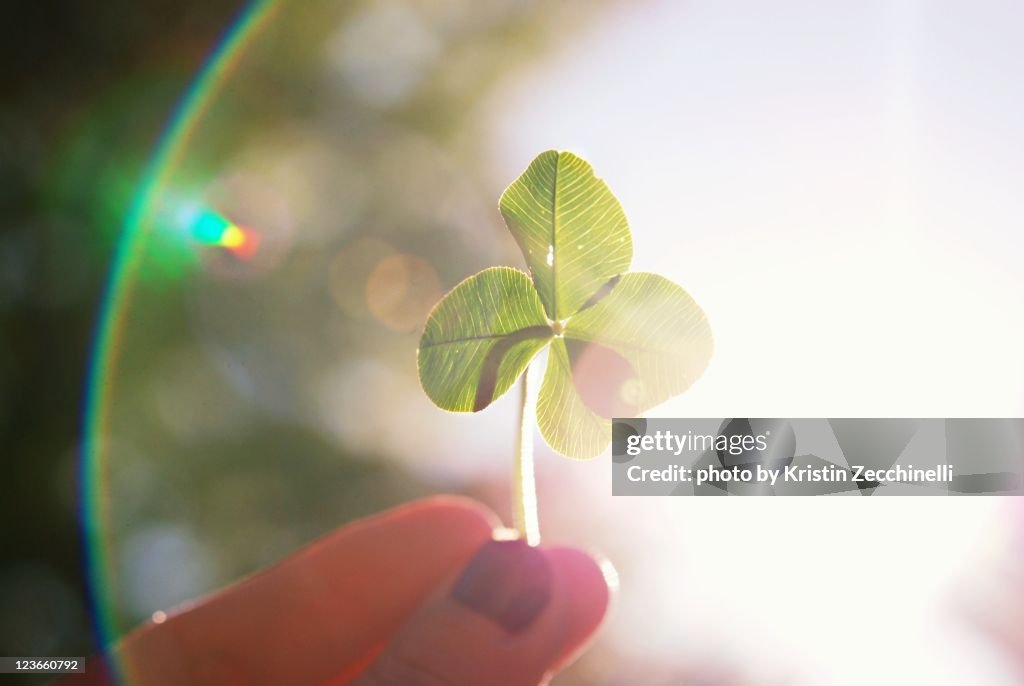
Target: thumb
x=513, y=616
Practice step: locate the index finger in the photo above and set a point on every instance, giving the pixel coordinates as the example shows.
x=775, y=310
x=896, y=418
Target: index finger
x=325, y=610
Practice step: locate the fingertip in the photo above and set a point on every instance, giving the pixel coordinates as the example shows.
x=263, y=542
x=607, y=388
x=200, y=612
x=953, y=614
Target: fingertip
x=515, y=615
x=587, y=584
x=590, y=579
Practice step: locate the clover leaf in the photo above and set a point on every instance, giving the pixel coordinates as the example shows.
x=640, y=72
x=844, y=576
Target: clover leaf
x=479, y=339
x=570, y=228
x=642, y=336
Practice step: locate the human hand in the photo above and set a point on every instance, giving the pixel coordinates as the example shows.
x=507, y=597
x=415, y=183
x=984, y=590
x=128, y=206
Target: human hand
x=418, y=595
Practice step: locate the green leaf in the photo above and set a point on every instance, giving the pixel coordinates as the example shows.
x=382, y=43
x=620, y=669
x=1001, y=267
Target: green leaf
x=657, y=327
x=643, y=343
x=570, y=228
x=480, y=338
x=564, y=420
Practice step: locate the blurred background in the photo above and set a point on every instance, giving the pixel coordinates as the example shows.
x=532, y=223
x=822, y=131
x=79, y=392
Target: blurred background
x=836, y=184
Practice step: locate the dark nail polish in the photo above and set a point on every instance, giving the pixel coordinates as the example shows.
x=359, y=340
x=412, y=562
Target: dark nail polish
x=508, y=581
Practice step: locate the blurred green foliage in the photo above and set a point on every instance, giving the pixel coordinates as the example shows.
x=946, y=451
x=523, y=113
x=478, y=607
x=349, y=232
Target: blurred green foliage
x=347, y=136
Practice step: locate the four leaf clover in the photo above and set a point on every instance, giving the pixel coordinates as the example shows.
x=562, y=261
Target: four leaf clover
x=618, y=342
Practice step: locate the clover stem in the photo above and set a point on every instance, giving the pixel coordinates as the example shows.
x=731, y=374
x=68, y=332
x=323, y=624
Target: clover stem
x=525, y=486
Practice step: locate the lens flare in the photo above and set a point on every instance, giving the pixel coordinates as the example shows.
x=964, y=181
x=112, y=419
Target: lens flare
x=209, y=228
x=94, y=467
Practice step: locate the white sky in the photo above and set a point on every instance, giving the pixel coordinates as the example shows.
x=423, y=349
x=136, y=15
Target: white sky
x=837, y=184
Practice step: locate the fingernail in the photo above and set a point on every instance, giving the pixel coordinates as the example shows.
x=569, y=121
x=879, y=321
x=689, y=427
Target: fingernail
x=508, y=581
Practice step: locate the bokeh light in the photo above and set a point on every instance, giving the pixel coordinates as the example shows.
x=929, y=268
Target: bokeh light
x=401, y=290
